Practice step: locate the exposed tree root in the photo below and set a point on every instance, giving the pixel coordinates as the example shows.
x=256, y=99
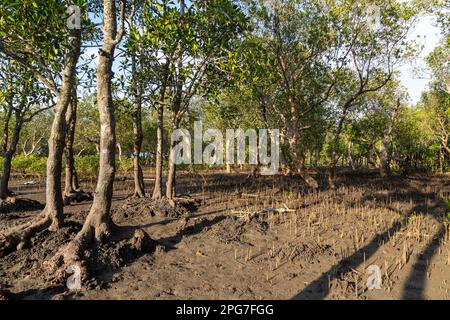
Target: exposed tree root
x=72, y=254
x=18, y=237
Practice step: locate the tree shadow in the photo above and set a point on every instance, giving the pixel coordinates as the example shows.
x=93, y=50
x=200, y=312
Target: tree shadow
x=415, y=283
x=189, y=230
x=319, y=289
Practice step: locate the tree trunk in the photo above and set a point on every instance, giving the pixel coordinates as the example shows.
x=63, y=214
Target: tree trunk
x=385, y=169
x=441, y=161
x=157, y=191
x=99, y=222
x=6, y=127
x=334, y=157
x=4, y=190
x=350, y=155
x=119, y=150
x=297, y=158
x=71, y=185
x=8, y=151
x=316, y=155
x=171, y=175
x=54, y=202
x=139, y=188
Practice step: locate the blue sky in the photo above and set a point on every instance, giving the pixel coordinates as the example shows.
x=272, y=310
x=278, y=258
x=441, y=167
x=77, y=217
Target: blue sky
x=429, y=35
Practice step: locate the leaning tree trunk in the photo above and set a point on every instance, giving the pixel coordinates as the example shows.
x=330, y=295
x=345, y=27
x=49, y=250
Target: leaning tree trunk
x=71, y=183
x=98, y=224
x=52, y=215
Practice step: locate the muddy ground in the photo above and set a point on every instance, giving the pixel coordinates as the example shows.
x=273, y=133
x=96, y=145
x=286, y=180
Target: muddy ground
x=265, y=238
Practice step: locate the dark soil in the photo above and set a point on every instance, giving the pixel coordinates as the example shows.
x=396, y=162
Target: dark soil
x=319, y=249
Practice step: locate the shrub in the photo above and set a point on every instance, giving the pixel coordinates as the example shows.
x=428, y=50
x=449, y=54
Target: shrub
x=87, y=166
x=32, y=165
x=124, y=166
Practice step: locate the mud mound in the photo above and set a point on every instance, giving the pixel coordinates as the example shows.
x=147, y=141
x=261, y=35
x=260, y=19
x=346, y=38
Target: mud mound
x=78, y=197
x=146, y=207
x=232, y=228
x=13, y=204
x=309, y=252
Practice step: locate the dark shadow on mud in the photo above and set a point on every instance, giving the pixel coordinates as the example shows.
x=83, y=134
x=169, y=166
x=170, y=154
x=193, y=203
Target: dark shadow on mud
x=319, y=289
x=415, y=283
x=189, y=230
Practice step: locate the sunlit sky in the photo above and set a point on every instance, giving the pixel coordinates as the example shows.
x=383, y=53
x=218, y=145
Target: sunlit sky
x=429, y=36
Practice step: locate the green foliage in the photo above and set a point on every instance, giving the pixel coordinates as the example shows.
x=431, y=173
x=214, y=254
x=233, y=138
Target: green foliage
x=124, y=166
x=31, y=165
x=87, y=166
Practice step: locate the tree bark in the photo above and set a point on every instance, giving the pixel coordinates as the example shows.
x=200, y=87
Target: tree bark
x=297, y=161
x=139, y=188
x=54, y=201
x=334, y=157
x=71, y=183
x=157, y=191
x=171, y=175
x=6, y=150
x=98, y=222
x=350, y=155
x=11, y=150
